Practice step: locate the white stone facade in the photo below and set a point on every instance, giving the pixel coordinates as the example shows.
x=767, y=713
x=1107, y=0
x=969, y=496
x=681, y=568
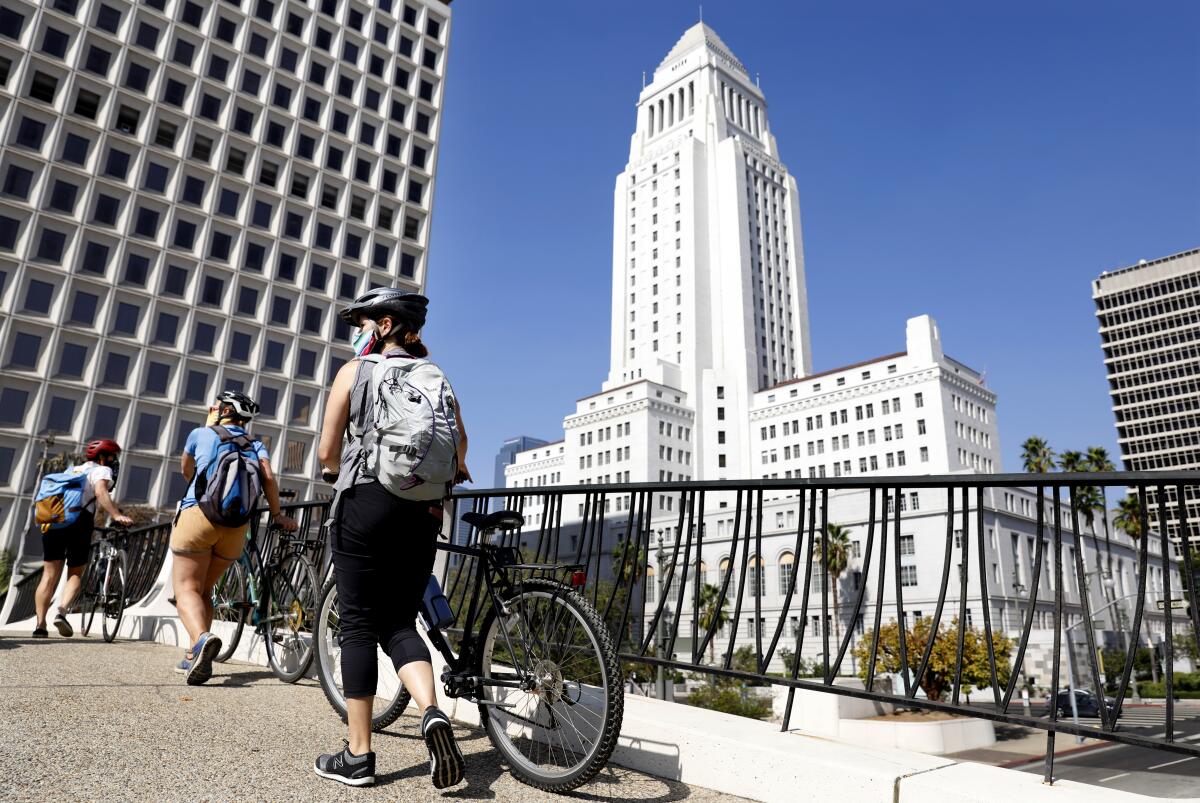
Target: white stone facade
x=188, y=190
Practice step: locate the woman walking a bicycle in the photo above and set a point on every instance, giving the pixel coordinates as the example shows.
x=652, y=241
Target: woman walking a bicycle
x=404, y=447
x=210, y=527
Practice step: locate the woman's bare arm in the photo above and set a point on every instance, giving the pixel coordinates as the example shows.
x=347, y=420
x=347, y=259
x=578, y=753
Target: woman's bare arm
x=337, y=416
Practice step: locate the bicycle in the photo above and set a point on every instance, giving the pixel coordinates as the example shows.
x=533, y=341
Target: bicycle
x=541, y=667
x=104, y=587
x=283, y=615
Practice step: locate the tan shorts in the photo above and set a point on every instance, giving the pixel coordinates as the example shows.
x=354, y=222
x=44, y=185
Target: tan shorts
x=195, y=534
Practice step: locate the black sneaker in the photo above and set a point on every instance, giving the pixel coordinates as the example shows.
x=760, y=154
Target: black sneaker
x=63, y=626
x=445, y=759
x=40, y=632
x=345, y=767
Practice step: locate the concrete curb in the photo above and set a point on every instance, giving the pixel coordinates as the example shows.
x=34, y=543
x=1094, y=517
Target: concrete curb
x=1086, y=748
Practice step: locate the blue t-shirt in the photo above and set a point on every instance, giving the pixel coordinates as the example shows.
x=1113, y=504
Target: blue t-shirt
x=202, y=445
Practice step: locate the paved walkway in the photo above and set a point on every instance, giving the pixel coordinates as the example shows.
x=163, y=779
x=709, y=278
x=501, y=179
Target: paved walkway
x=85, y=720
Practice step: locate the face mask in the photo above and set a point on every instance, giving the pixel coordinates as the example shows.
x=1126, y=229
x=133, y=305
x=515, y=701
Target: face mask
x=363, y=341
x=212, y=417
x=115, y=465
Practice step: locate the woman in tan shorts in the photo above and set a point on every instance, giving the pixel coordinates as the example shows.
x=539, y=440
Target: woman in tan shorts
x=203, y=550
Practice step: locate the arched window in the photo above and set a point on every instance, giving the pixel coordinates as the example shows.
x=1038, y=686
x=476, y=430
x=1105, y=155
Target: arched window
x=722, y=572
x=691, y=98
x=651, y=118
x=787, y=570
x=651, y=585
x=754, y=577
x=671, y=110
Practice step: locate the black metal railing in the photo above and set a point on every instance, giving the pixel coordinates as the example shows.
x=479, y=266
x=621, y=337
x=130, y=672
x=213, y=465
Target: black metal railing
x=146, y=550
x=1057, y=512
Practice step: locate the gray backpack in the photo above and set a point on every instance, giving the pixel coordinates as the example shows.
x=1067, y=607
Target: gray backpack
x=411, y=443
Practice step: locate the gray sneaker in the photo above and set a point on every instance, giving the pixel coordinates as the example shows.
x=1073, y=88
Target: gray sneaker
x=345, y=767
x=63, y=626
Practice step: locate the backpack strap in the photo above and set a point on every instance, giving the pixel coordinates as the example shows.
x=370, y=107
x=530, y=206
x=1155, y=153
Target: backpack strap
x=242, y=442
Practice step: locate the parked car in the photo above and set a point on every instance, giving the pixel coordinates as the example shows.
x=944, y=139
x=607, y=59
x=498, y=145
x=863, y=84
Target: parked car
x=1086, y=704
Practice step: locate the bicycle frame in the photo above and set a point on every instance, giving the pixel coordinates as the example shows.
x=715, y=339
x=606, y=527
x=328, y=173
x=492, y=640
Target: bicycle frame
x=260, y=576
x=492, y=569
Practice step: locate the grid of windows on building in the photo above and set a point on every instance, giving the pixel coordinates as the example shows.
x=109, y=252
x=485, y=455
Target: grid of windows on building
x=187, y=189
x=1149, y=320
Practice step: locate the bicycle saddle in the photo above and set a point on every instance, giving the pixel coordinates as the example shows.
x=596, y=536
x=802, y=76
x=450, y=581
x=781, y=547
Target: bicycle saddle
x=502, y=519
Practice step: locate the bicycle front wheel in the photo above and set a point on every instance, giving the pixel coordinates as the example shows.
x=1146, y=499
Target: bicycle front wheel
x=561, y=731
x=291, y=609
x=229, y=608
x=391, y=698
x=113, y=598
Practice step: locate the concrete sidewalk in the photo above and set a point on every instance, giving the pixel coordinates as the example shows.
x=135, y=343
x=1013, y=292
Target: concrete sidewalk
x=85, y=720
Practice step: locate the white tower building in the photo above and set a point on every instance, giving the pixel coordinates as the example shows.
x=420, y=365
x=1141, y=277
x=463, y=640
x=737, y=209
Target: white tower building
x=188, y=189
x=708, y=269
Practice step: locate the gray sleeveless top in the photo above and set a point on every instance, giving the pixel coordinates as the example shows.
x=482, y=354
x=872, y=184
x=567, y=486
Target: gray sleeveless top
x=362, y=415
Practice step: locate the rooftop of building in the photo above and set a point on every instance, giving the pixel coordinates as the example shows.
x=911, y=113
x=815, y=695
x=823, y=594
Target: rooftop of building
x=1142, y=265
x=701, y=35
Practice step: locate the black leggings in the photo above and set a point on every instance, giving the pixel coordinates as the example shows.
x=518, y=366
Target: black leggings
x=383, y=550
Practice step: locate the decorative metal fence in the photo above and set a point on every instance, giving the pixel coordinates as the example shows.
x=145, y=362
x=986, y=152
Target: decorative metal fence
x=1063, y=510
x=146, y=550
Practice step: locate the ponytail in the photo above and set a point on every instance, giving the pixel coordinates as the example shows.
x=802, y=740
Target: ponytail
x=414, y=346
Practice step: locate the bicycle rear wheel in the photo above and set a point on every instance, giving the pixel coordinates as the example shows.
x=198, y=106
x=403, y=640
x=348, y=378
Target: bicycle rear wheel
x=291, y=611
x=391, y=698
x=113, y=597
x=229, y=607
x=558, y=735
x=89, y=595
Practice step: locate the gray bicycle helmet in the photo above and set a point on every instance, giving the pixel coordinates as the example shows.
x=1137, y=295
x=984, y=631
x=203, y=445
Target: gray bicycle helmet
x=407, y=307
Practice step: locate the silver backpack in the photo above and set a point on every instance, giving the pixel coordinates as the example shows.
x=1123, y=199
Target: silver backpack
x=411, y=444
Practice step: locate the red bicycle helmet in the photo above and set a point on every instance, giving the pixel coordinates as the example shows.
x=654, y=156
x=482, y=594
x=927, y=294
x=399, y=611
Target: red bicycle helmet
x=102, y=446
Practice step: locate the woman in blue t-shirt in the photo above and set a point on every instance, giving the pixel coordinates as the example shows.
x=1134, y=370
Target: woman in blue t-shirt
x=203, y=550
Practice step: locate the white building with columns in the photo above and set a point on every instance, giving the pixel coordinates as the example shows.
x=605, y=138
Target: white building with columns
x=711, y=379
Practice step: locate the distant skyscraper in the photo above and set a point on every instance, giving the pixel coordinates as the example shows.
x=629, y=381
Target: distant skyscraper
x=188, y=190
x=507, y=455
x=1149, y=316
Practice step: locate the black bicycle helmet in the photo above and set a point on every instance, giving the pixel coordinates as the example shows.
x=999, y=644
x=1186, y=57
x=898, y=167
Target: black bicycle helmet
x=407, y=307
x=243, y=406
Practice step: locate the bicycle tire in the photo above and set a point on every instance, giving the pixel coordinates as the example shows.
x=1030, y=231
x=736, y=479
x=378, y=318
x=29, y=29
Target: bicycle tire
x=607, y=692
x=87, y=613
x=384, y=711
x=114, y=599
x=291, y=608
x=87, y=602
x=229, y=606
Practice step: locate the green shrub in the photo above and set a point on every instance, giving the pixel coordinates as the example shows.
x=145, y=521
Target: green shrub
x=730, y=699
x=1159, y=690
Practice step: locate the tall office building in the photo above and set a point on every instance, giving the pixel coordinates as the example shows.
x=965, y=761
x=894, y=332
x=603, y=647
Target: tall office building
x=1149, y=316
x=507, y=454
x=188, y=190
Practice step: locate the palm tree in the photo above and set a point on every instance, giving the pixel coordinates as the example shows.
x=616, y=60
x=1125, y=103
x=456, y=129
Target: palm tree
x=1070, y=461
x=1037, y=456
x=628, y=560
x=711, y=616
x=1129, y=516
x=833, y=550
x=1097, y=460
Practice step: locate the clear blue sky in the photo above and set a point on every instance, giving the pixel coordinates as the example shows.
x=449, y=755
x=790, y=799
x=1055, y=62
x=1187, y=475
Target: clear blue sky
x=981, y=163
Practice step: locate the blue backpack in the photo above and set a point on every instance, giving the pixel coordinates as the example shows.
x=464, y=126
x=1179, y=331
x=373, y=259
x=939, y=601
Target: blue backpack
x=59, y=499
x=228, y=489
